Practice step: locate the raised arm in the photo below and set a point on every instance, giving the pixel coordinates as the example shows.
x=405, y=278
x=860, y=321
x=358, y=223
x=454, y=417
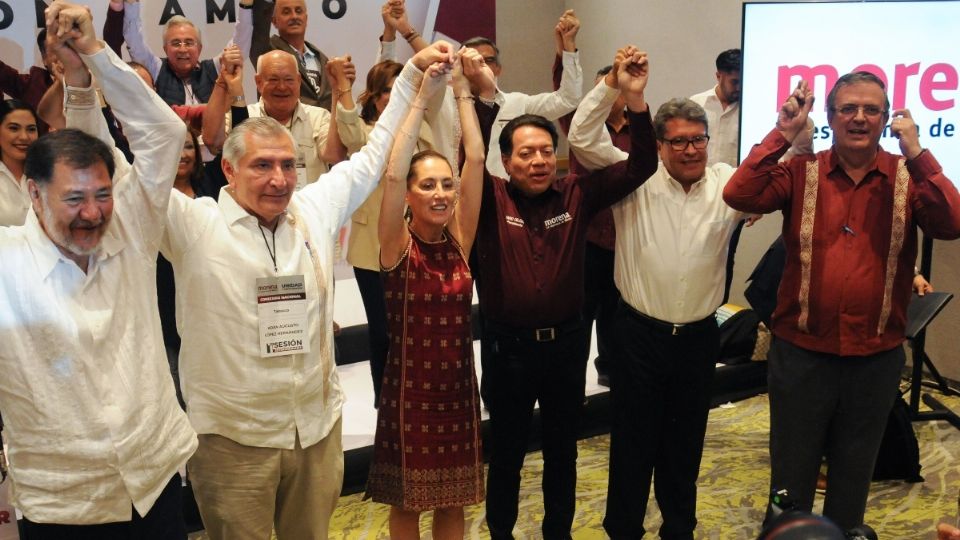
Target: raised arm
x=934, y=198
x=395, y=21
x=760, y=184
x=588, y=137
x=85, y=110
x=553, y=105
x=242, y=34
x=467, y=213
x=50, y=108
x=392, y=229
x=113, y=26
x=342, y=190
x=12, y=82
x=228, y=92
x=242, y=30
x=260, y=39
x=155, y=132
x=342, y=73
x=607, y=186
x=136, y=41
x=350, y=127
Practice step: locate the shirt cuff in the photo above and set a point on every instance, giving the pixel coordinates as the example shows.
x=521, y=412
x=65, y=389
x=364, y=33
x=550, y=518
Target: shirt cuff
x=924, y=166
x=80, y=98
x=775, y=142
x=348, y=116
x=412, y=74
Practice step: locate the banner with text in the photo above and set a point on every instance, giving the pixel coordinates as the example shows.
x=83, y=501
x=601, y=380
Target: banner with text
x=909, y=45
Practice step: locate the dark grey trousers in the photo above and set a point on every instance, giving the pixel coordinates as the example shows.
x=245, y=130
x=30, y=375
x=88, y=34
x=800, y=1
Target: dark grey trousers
x=824, y=405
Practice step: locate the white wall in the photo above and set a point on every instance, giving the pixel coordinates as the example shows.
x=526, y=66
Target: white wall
x=682, y=38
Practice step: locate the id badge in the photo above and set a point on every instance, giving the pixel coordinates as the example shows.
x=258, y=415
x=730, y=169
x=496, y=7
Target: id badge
x=282, y=313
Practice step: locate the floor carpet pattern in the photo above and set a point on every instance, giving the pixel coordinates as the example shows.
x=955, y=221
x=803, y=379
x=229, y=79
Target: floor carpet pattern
x=733, y=484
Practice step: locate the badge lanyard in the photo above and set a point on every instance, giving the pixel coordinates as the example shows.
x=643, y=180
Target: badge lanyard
x=272, y=252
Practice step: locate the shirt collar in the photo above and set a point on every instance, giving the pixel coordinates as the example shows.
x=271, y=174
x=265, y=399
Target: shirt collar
x=44, y=250
x=21, y=182
x=48, y=255
x=833, y=163
x=231, y=209
x=515, y=192
x=299, y=113
x=673, y=184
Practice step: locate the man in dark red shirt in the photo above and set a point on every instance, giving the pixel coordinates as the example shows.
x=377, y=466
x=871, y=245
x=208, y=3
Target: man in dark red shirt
x=850, y=229
x=29, y=87
x=530, y=260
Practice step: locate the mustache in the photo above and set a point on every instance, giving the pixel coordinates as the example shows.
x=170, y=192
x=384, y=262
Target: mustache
x=87, y=224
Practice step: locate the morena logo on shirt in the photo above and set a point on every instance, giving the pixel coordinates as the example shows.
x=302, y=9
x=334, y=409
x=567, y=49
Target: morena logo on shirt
x=558, y=220
x=515, y=221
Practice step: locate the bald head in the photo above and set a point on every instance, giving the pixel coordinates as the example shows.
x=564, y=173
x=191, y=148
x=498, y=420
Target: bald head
x=278, y=81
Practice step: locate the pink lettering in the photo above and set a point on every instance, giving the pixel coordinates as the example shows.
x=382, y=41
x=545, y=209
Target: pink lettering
x=938, y=77
x=788, y=76
x=929, y=83
x=875, y=69
x=902, y=72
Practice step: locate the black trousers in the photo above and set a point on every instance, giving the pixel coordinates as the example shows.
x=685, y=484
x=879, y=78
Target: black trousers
x=833, y=406
x=371, y=292
x=164, y=521
x=600, y=303
x=520, y=372
x=660, y=388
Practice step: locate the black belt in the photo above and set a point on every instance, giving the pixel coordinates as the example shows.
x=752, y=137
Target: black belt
x=550, y=333
x=671, y=328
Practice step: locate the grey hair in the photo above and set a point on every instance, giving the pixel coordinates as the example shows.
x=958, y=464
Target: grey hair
x=235, y=147
x=854, y=78
x=280, y=53
x=682, y=108
x=180, y=20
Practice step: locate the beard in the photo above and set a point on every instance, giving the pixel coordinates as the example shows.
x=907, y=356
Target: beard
x=62, y=239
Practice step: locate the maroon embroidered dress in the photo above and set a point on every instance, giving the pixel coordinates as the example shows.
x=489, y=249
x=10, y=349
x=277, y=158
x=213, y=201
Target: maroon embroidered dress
x=427, y=448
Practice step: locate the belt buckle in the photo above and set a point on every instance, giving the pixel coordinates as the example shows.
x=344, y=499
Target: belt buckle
x=545, y=334
x=676, y=329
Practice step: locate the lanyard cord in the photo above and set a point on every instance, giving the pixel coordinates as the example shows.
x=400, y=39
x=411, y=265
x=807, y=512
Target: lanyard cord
x=272, y=252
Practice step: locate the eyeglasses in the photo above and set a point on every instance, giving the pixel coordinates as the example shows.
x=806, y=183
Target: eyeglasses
x=871, y=111
x=680, y=143
x=177, y=43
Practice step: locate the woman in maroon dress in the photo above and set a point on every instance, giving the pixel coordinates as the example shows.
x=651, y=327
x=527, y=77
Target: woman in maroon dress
x=427, y=453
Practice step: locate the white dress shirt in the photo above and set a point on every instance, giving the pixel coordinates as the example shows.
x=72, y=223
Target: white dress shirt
x=671, y=251
x=309, y=126
x=723, y=126
x=91, y=416
x=14, y=198
x=218, y=251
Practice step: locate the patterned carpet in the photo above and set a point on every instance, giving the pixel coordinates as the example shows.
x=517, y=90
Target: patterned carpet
x=733, y=485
